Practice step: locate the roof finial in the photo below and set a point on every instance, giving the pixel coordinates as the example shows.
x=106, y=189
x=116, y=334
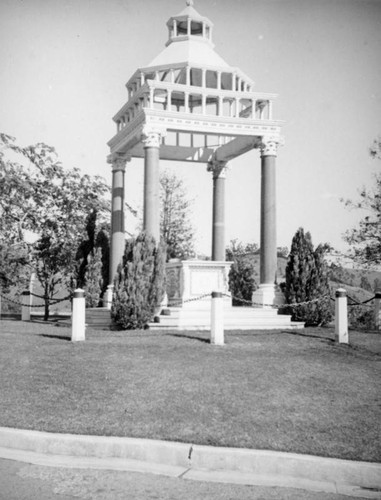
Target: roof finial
x=189, y=3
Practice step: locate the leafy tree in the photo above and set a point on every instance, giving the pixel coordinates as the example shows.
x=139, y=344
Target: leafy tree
x=14, y=275
x=364, y=283
x=38, y=194
x=375, y=149
x=365, y=240
x=175, y=224
x=140, y=282
x=306, y=280
x=239, y=249
x=282, y=252
x=242, y=281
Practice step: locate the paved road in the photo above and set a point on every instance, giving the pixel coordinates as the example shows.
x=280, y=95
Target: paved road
x=21, y=481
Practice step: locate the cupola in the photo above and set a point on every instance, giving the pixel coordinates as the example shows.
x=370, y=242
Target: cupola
x=188, y=25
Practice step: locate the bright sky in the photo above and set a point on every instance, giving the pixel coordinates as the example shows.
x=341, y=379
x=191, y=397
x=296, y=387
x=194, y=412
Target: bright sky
x=64, y=64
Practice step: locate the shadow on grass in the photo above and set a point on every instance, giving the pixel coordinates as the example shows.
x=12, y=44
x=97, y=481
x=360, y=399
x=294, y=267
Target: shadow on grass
x=191, y=337
x=302, y=334
x=59, y=337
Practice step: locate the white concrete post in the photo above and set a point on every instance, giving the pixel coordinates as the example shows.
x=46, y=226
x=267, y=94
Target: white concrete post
x=377, y=310
x=341, y=316
x=217, y=319
x=25, y=308
x=107, y=298
x=78, y=316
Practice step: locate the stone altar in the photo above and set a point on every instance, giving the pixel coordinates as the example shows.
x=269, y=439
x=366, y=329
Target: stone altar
x=188, y=280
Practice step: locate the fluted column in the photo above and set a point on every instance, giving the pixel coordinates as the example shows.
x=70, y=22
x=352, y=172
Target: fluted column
x=266, y=294
x=117, y=212
x=218, y=168
x=268, y=214
x=151, y=139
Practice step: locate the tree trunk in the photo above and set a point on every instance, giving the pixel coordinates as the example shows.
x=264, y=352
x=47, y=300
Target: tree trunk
x=46, y=299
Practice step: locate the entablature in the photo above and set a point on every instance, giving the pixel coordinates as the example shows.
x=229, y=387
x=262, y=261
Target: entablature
x=190, y=138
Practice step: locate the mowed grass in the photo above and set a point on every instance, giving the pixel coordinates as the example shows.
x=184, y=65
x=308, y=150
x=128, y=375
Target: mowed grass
x=295, y=391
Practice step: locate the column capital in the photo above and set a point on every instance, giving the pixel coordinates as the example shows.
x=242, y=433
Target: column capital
x=151, y=136
x=118, y=161
x=269, y=145
x=218, y=168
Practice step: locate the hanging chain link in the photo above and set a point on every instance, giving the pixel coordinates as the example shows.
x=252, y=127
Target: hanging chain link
x=180, y=302
x=52, y=302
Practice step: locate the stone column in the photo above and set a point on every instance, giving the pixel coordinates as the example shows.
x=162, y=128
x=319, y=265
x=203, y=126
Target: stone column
x=117, y=212
x=267, y=294
x=151, y=139
x=218, y=168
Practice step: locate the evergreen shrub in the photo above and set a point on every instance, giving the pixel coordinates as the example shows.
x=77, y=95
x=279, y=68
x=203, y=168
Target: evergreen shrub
x=139, y=285
x=93, y=278
x=242, y=283
x=306, y=280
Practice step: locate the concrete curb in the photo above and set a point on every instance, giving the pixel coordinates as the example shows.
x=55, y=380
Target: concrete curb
x=203, y=463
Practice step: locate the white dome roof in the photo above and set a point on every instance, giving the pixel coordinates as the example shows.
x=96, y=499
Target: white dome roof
x=193, y=51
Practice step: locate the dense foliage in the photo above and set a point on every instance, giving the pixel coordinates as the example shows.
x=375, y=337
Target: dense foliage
x=140, y=283
x=41, y=199
x=365, y=240
x=175, y=224
x=92, y=261
x=242, y=273
x=307, y=280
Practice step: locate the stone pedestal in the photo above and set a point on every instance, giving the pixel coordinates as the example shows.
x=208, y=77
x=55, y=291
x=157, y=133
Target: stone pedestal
x=267, y=296
x=191, y=282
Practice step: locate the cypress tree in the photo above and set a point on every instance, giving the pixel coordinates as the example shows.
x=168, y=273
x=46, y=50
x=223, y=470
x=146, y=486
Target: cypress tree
x=307, y=279
x=139, y=284
x=93, y=278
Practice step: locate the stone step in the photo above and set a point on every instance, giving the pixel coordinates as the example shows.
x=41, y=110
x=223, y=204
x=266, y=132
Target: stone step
x=235, y=318
x=98, y=317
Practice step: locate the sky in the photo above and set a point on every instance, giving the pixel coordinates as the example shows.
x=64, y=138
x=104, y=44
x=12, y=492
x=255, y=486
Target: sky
x=64, y=65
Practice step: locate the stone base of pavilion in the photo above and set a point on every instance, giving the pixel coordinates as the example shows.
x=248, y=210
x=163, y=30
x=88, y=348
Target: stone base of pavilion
x=187, y=305
x=235, y=318
x=188, y=302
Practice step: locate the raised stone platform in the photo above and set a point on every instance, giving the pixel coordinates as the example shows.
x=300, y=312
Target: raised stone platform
x=235, y=318
x=179, y=318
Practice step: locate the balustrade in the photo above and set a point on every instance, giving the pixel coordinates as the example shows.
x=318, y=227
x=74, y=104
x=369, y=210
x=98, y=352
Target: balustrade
x=210, y=100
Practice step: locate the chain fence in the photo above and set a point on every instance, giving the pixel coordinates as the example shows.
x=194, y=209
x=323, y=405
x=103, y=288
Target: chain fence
x=275, y=306
x=301, y=304
x=251, y=303
x=351, y=301
x=52, y=302
x=194, y=299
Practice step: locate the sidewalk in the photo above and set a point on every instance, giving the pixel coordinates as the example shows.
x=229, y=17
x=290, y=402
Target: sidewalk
x=21, y=481
x=199, y=463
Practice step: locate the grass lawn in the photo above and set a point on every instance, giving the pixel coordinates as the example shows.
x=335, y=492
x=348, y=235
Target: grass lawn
x=294, y=391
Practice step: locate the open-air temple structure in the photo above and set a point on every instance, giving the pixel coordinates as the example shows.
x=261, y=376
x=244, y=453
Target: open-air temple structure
x=189, y=105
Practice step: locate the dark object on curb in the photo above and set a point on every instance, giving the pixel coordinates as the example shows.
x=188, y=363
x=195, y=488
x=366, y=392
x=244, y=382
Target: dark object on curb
x=166, y=312
x=156, y=319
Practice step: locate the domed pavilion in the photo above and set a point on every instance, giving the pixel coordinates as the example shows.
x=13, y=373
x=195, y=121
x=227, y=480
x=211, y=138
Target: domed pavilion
x=190, y=105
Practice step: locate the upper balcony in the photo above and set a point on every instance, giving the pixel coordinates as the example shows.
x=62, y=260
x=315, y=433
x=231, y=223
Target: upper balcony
x=205, y=100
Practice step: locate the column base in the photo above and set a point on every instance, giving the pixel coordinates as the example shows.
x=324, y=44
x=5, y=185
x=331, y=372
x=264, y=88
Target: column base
x=267, y=296
x=107, y=298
